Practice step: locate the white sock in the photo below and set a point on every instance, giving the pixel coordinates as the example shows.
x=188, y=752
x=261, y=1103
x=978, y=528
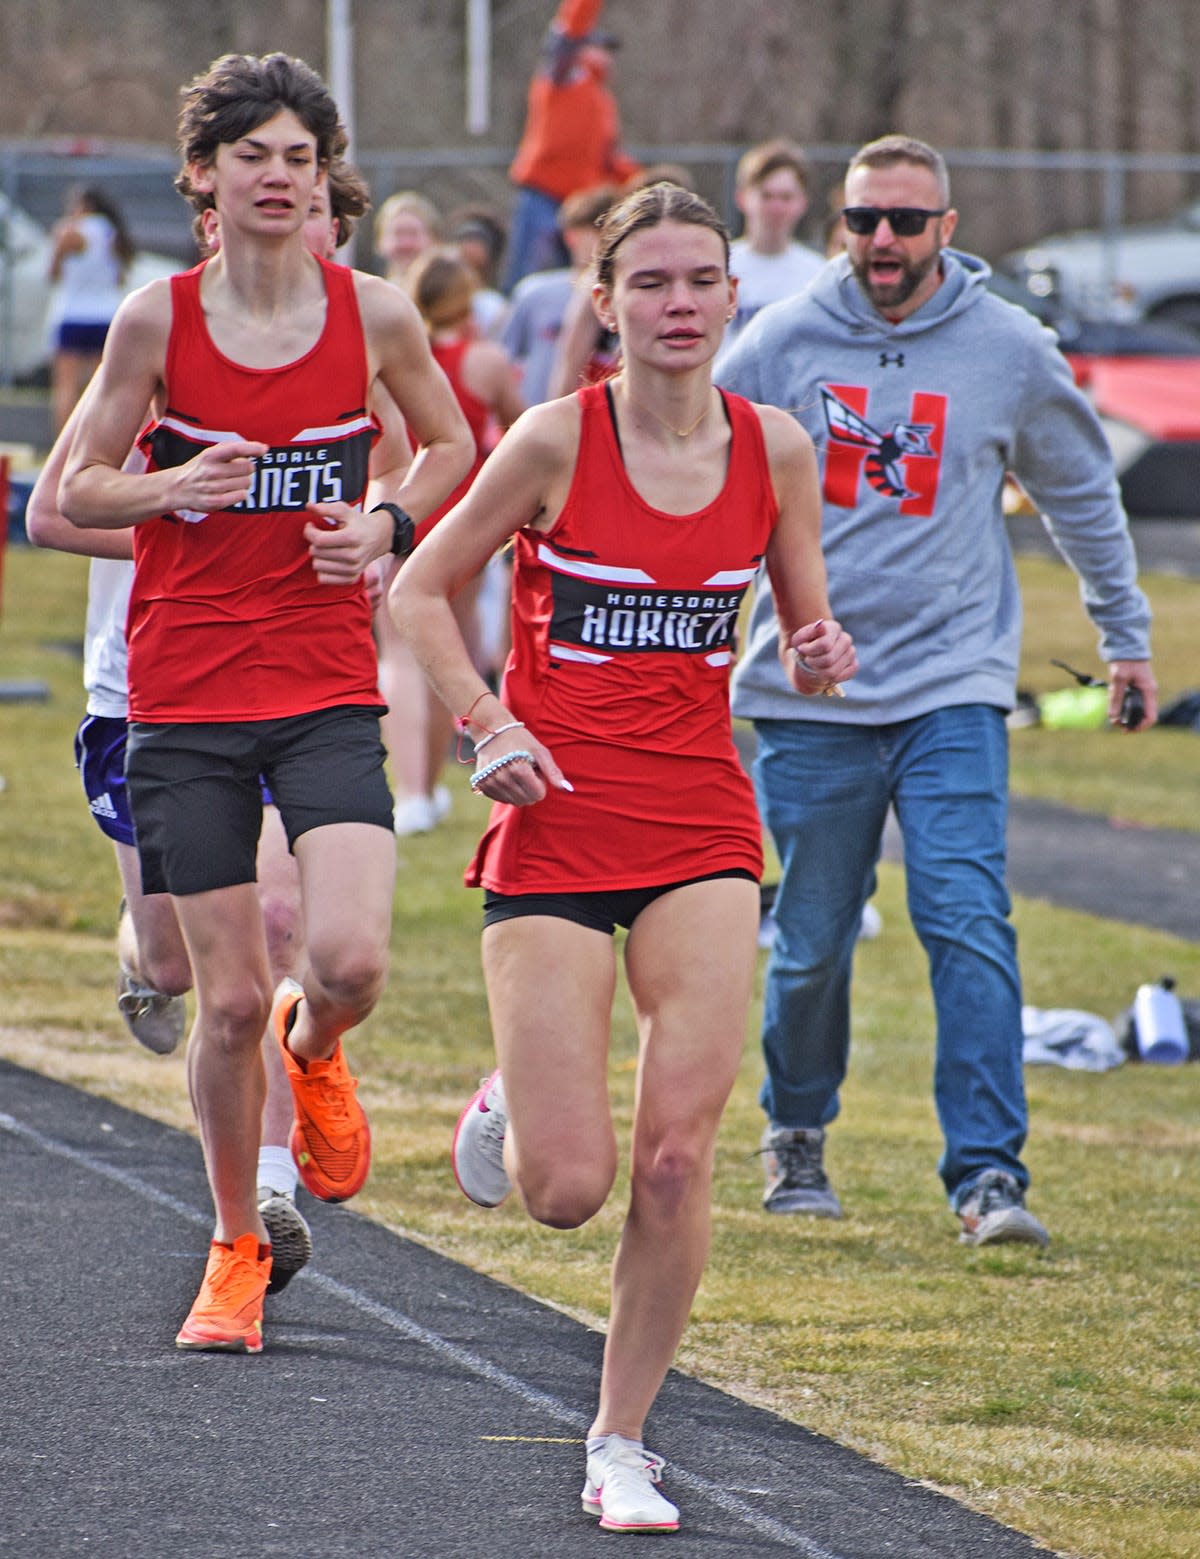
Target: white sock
x=277, y=1169
x=596, y=1443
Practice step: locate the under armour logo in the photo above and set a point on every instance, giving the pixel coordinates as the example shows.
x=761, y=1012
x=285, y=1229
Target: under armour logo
x=896, y=357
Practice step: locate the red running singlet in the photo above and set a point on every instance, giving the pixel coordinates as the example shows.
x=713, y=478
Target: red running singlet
x=624, y=620
x=227, y=620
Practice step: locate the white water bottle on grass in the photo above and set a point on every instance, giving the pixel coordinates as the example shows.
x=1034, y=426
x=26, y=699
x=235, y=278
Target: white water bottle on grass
x=1158, y=1022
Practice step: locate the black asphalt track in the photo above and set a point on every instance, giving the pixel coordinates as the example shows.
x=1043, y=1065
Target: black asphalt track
x=404, y=1407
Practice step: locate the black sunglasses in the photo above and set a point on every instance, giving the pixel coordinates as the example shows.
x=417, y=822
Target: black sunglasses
x=904, y=221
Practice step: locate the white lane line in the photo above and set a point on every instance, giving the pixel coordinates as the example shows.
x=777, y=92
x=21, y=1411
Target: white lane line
x=397, y=1321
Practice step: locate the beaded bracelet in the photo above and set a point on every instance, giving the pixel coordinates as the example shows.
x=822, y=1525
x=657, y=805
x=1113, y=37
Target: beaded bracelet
x=513, y=725
x=520, y=756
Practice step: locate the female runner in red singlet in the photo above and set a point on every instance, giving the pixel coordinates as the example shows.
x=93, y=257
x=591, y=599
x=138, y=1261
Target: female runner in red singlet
x=641, y=509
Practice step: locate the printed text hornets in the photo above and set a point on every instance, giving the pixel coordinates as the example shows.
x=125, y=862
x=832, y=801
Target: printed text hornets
x=643, y=619
x=319, y=465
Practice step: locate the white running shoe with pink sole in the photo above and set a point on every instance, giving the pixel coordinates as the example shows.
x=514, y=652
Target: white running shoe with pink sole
x=622, y=1487
x=477, y=1152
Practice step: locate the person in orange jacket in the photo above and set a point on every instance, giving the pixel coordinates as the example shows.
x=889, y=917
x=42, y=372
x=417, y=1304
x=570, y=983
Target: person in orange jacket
x=572, y=135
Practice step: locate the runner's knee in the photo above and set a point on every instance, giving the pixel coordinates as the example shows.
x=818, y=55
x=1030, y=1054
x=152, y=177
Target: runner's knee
x=233, y=1018
x=351, y=975
x=671, y=1168
x=562, y=1194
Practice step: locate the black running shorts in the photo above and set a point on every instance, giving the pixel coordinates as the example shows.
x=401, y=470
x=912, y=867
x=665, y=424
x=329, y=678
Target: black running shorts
x=197, y=804
x=602, y=910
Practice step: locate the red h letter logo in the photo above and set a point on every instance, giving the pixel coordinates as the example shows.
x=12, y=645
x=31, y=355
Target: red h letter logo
x=904, y=462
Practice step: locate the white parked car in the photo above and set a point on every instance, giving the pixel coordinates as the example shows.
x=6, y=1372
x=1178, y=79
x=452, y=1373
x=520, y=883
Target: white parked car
x=1147, y=271
x=25, y=289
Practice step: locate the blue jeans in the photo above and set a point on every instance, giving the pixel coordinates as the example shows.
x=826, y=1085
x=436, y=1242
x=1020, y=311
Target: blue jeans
x=824, y=791
x=534, y=242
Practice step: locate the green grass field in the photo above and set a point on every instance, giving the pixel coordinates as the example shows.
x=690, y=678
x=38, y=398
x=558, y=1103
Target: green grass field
x=1056, y=1391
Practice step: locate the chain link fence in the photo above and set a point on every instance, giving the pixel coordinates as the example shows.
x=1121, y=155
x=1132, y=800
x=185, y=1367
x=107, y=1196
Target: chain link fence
x=1006, y=199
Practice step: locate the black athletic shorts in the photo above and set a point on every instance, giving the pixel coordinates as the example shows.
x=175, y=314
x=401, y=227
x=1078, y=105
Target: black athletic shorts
x=197, y=804
x=602, y=910
x=100, y=759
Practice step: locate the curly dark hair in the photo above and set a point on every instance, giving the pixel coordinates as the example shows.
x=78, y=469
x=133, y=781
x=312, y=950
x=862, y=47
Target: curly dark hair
x=349, y=197
x=240, y=92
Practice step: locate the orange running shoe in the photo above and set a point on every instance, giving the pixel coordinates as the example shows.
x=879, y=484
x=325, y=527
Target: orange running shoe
x=331, y=1140
x=227, y=1315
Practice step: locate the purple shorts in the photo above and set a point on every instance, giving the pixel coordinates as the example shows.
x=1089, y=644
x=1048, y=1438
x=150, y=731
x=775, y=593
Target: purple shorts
x=100, y=759
x=87, y=340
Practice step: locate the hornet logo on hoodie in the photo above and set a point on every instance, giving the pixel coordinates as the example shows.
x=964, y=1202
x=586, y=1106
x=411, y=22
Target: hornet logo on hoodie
x=904, y=462
x=886, y=449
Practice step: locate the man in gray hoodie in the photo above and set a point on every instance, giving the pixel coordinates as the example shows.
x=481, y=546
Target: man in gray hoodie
x=921, y=389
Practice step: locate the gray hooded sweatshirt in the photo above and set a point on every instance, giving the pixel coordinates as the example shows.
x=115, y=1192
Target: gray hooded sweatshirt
x=915, y=425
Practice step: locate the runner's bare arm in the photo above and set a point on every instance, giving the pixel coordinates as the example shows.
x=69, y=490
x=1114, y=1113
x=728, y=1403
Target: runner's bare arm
x=816, y=651
x=489, y=373
x=393, y=452
x=95, y=491
x=45, y=523
x=399, y=350
x=344, y=541
x=524, y=482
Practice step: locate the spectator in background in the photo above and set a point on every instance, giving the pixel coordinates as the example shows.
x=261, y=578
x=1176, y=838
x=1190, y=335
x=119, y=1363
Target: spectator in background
x=90, y=256
x=834, y=228
x=540, y=301
x=418, y=727
x=923, y=388
x=772, y=195
x=479, y=236
x=587, y=351
x=405, y=226
x=571, y=139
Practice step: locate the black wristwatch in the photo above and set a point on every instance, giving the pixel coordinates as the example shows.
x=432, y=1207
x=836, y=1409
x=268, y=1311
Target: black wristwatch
x=403, y=528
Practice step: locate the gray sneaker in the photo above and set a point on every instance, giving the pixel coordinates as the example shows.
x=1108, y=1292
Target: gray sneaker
x=795, y=1172
x=477, y=1152
x=291, y=1238
x=993, y=1212
x=154, y=1020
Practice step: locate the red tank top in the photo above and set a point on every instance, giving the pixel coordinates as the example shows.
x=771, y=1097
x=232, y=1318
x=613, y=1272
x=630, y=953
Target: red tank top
x=227, y=620
x=449, y=357
x=624, y=619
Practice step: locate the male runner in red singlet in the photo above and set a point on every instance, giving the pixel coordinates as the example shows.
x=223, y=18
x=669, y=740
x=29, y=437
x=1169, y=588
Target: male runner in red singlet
x=250, y=648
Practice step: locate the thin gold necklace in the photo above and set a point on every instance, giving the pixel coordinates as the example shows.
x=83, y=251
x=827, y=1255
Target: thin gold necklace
x=670, y=426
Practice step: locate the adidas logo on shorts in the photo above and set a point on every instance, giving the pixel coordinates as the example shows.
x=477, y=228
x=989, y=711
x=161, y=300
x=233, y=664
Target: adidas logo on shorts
x=101, y=806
